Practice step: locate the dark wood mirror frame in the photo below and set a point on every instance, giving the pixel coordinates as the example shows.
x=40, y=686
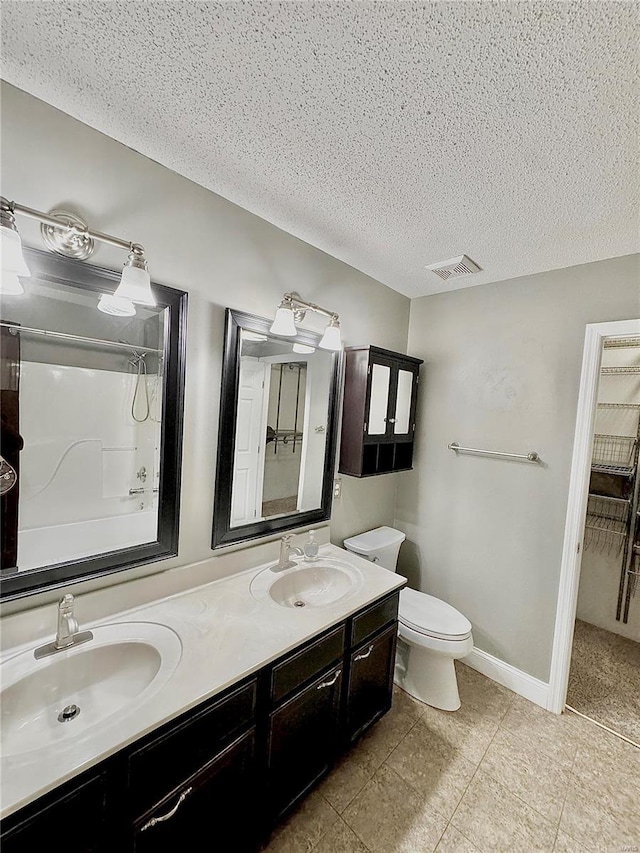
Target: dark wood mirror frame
x=56, y=269
x=223, y=533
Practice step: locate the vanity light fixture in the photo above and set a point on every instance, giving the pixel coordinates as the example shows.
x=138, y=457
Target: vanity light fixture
x=13, y=262
x=68, y=235
x=292, y=310
x=303, y=349
x=109, y=303
x=331, y=338
x=284, y=321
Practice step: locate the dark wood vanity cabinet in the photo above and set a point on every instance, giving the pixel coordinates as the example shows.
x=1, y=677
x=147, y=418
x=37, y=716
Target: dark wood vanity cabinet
x=209, y=810
x=303, y=740
x=370, y=682
x=222, y=774
x=379, y=411
x=72, y=819
x=192, y=780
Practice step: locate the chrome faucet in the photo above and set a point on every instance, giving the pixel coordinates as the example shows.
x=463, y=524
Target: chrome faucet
x=67, y=623
x=285, y=552
x=67, y=634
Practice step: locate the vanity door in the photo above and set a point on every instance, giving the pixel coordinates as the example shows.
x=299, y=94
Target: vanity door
x=72, y=823
x=370, y=682
x=208, y=811
x=303, y=740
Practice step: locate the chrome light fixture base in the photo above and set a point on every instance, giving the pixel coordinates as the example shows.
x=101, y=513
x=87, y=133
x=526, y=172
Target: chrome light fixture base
x=71, y=238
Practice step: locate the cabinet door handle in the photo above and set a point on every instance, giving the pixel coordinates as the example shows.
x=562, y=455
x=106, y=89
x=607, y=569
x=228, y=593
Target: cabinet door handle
x=390, y=420
x=364, y=655
x=154, y=820
x=324, y=684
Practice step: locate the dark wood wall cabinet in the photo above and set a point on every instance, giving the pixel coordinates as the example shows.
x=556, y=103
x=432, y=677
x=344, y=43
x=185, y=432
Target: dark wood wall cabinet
x=379, y=411
x=223, y=774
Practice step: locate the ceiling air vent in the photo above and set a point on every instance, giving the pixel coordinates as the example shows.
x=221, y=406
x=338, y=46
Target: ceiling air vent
x=454, y=267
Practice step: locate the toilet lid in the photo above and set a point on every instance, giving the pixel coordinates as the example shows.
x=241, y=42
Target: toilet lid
x=431, y=616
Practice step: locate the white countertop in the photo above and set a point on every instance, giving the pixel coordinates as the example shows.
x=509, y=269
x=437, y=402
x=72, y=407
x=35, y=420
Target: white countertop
x=226, y=635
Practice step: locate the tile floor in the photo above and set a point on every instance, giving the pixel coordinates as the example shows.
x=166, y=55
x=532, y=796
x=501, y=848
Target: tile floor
x=498, y=776
x=604, y=681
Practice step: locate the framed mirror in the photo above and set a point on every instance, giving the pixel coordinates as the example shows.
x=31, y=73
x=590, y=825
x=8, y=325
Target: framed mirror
x=278, y=431
x=91, y=427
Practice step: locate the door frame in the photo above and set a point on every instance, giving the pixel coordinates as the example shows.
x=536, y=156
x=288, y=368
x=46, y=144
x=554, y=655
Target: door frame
x=595, y=336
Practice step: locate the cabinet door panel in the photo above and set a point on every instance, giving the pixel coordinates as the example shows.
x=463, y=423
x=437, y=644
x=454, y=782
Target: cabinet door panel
x=370, y=688
x=73, y=824
x=303, y=738
x=379, y=400
x=162, y=764
x=404, y=396
x=217, y=809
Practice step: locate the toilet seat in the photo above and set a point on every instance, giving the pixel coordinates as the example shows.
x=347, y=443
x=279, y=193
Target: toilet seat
x=432, y=617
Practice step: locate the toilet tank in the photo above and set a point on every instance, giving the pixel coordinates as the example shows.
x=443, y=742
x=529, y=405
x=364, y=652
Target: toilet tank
x=381, y=546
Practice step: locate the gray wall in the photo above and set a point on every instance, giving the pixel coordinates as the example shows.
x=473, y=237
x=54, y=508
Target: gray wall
x=223, y=255
x=502, y=369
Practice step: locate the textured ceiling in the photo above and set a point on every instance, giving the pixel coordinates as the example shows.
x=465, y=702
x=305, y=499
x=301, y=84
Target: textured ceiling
x=390, y=134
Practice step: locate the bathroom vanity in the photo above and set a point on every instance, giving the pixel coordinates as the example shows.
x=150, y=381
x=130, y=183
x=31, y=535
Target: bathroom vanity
x=228, y=766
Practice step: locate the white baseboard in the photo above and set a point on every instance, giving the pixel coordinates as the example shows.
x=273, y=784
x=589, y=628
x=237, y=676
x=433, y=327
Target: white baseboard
x=520, y=682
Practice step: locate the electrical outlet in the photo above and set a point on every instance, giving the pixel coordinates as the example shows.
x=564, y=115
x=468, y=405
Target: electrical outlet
x=337, y=488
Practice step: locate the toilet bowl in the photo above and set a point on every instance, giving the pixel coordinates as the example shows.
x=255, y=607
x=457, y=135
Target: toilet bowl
x=433, y=634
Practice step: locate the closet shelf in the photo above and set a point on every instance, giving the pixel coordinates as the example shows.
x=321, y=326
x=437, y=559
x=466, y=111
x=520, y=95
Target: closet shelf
x=619, y=371
x=616, y=470
x=620, y=343
x=606, y=525
x=614, y=450
x=619, y=405
x=608, y=508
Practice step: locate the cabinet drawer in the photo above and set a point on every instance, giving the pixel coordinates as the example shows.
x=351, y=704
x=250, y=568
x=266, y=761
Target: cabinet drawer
x=374, y=618
x=167, y=761
x=209, y=810
x=298, y=668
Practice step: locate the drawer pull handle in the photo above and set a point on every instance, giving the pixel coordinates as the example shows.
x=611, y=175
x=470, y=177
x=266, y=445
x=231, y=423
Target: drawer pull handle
x=324, y=684
x=154, y=820
x=364, y=655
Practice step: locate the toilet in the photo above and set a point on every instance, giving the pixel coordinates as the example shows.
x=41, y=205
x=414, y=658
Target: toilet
x=434, y=634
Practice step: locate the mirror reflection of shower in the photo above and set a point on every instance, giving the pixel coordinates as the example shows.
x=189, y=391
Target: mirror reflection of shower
x=88, y=410
x=285, y=417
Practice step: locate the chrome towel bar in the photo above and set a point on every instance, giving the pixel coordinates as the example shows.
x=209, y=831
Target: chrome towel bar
x=525, y=457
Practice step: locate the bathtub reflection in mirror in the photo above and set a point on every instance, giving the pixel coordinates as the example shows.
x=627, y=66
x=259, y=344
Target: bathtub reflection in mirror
x=85, y=403
x=279, y=404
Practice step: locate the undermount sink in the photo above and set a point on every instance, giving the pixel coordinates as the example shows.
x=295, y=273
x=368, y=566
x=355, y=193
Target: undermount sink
x=57, y=698
x=309, y=584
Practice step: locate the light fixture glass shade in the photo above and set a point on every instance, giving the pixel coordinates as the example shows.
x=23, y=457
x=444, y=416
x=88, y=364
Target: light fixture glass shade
x=135, y=285
x=283, y=323
x=12, y=257
x=331, y=338
x=10, y=284
x=116, y=305
x=303, y=349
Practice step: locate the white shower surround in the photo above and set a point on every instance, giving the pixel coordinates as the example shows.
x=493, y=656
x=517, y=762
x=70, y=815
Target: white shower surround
x=44, y=546
x=81, y=456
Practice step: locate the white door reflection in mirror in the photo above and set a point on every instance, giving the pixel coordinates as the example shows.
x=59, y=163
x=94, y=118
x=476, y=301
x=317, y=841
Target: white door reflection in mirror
x=403, y=402
x=281, y=429
x=380, y=380
x=246, y=505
